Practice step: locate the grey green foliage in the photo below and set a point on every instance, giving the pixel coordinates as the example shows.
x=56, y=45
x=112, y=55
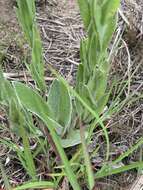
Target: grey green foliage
x=58, y=113
x=59, y=100
x=32, y=102
x=99, y=18
x=35, y=185
x=17, y=121
x=26, y=15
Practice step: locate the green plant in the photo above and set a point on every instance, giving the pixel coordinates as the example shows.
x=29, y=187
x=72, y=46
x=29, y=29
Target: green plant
x=68, y=115
x=26, y=15
x=100, y=22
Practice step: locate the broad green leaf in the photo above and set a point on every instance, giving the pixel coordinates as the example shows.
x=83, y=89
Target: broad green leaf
x=6, y=90
x=59, y=101
x=85, y=12
x=104, y=17
x=96, y=16
x=109, y=32
x=31, y=6
x=109, y=9
x=34, y=103
x=86, y=107
x=102, y=103
x=98, y=26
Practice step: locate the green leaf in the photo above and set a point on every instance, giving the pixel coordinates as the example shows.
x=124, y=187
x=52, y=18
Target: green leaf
x=84, y=62
x=73, y=138
x=86, y=107
x=102, y=103
x=92, y=52
x=16, y=117
x=110, y=171
x=59, y=101
x=109, y=9
x=129, y=151
x=26, y=17
x=108, y=33
x=37, y=65
x=89, y=171
x=34, y=102
x=18, y=122
x=104, y=16
x=35, y=185
x=85, y=12
x=6, y=92
x=20, y=153
x=79, y=79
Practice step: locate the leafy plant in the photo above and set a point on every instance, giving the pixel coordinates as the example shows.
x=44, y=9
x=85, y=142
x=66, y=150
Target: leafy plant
x=26, y=15
x=100, y=22
x=69, y=115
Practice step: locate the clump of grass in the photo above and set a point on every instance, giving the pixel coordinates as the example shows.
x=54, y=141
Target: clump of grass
x=64, y=105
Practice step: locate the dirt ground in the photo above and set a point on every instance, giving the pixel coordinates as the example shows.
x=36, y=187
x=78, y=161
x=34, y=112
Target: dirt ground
x=61, y=31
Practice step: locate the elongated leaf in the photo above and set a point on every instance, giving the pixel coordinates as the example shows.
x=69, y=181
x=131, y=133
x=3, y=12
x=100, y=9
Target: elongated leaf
x=85, y=12
x=92, y=52
x=129, y=151
x=20, y=153
x=6, y=90
x=80, y=79
x=59, y=101
x=26, y=17
x=109, y=9
x=35, y=103
x=87, y=107
x=89, y=170
x=18, y=121
x=37, y=65
x=110, y=29
x=35, y=185
x=110, y=171
x=84, y=61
